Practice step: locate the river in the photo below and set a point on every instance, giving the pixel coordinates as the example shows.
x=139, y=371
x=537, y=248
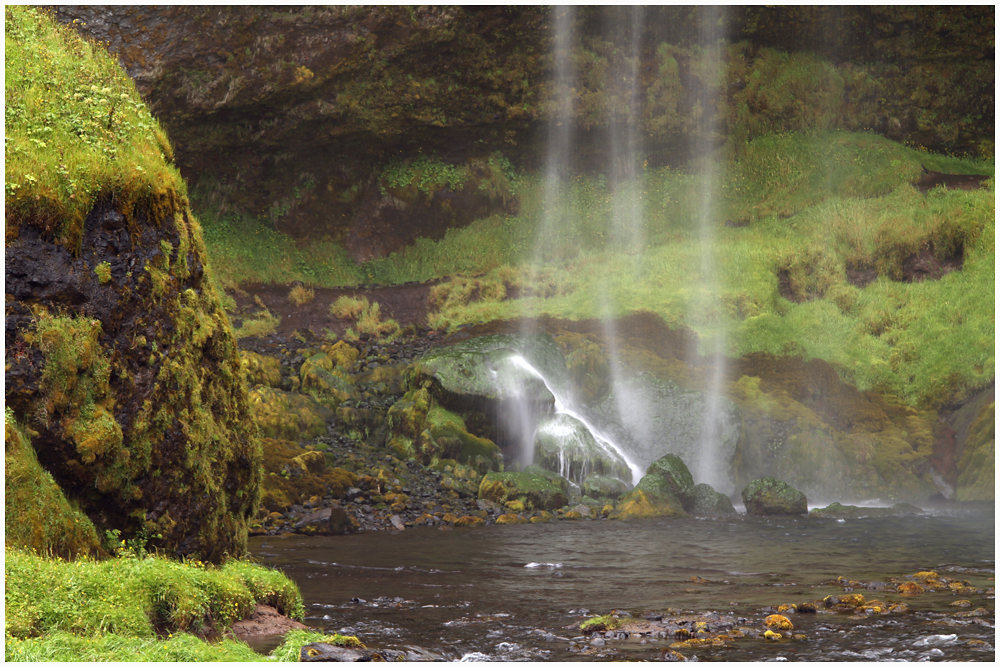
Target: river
x=515, y=592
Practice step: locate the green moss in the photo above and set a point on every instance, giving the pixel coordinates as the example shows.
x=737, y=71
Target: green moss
x=768, y=496
x=536, y=488
x=39, y=516
x=64, y=92
x=977, y=465
x=601, y=624
x=136, y=597
x=289, y=416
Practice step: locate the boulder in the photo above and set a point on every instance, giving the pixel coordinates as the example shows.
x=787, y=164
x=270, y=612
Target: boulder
x=492, y=369
x=510, y=381
x=838, y=511
x=651, y=417
x=564, y=445
x=666, y=490
x=772, y=497
x=536, y=488
x=709, y=501
x=599, y=486
x=287, y=416
x=260, y=369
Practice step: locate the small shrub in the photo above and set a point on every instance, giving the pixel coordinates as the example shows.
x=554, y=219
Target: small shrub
x=300, y=296
x=103, y=272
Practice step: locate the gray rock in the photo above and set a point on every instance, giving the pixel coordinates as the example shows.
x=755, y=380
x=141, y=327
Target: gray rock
x=772, y=497
x=564, y=445
x=650, y=417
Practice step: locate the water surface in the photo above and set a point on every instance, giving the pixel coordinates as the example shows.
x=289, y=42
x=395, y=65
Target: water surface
x=514, y=592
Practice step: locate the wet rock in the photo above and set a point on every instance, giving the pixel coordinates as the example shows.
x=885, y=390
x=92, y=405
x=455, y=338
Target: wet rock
x=638, y=411
x=537, y=488
x=586, y=366
x=600, y=486
x=656, y=494
x=564, y=445
x=770, y=497
x=838, y=511
x=322, y=652
x=709, y=501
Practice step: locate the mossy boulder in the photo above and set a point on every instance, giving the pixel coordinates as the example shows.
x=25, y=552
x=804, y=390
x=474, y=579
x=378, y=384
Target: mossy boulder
x=293, y=475
x=447, y=438
x=675, y=474
x=38, y=515
x=117, y=347
x=564, y=445
x=666, y=490
x=288, y=416
x=709, y=501
x=493, y=369
x=650, y=417
x=838, y=511
x=330, y=385
x=260, y=369
x=977, y=463
x=538, y=489
x=772, y=497
x=600, y=486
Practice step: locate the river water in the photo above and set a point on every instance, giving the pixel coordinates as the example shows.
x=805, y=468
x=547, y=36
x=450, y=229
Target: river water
x=515, y=592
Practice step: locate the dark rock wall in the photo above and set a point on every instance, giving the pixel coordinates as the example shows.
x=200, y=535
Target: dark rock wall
x=294, y=112
x=123, y=362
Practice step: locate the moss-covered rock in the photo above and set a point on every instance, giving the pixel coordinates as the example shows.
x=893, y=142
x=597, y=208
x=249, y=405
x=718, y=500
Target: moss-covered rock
x=447, y=438
x=490, y=370
x=977, y=464
x=599, y=486
x=38, y=515
x=536, y=488
x=328, y=384
x=260, y=369
x=770, y=497
x=651, y=417
x=709, y=501
x=293, y=475
x=675, y=474
x=666, y=490
x=116, y=343
x=564, y=445
x=288, y=416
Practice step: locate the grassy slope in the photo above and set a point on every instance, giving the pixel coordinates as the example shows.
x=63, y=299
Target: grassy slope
x=139, y=609
x=814, y=203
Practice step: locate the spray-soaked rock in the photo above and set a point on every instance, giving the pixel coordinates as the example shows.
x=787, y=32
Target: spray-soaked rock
x=709, y=501
x=599, y=486
x=564, y=444
x=769, y=497
x=666, y=490
x=650, y=417
x=535, y=487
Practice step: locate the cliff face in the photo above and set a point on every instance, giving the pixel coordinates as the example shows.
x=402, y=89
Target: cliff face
x=299, y=113
x=120, y=360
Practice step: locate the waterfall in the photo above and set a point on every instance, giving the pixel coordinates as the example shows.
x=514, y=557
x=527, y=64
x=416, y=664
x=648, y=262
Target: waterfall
x=564, y=406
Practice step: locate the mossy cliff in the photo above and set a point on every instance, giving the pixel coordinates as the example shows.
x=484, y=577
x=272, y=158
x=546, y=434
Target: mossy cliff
x=319, y=111
x=119, y=360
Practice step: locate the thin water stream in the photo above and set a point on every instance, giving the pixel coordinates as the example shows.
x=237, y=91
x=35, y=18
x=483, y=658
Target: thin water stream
x=515, y=592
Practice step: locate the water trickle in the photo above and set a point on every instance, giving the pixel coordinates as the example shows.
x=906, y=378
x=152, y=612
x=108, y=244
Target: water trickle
x=564, y=406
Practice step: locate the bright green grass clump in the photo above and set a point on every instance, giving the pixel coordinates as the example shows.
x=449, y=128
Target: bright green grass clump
x=136, y=597
x=182, y=647
x=63, y=91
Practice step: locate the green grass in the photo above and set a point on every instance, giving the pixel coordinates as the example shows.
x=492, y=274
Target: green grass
x=135, y=597
x=61, y=90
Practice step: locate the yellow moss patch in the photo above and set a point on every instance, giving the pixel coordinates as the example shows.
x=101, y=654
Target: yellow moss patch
x=910, y=588
x=504, y=519
x=467, y=521
x=778, y=622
